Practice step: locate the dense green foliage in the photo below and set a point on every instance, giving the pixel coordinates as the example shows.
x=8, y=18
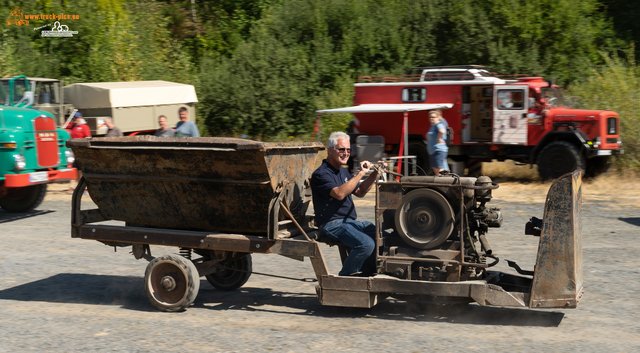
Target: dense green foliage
x=262, y=67
x=615, y=86
x=624, y=17
x=328, y=40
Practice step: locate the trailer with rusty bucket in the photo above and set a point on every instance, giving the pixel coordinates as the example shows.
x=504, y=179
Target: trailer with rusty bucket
x=219, y=200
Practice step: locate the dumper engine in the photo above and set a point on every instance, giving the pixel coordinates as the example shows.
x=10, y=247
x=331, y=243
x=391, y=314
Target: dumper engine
x=434, y=228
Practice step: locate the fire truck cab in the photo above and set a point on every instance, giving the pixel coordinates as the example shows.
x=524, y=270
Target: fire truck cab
x=525, y=119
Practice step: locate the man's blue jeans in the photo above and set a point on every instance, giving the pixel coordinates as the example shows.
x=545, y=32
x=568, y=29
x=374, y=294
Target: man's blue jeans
x=359, y=237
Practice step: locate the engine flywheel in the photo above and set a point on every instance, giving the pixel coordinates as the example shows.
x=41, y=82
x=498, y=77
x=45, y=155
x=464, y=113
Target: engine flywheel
x=425, y=218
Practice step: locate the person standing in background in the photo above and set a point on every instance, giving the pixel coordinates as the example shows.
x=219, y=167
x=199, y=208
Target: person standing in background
x=73, y=123
x=79, y=130
x=164, y=130
x=436, y=142
x=186, y=127
x=113, y=131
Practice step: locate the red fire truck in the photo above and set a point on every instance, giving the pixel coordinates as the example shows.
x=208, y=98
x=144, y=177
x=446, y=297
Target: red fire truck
x=524, y=119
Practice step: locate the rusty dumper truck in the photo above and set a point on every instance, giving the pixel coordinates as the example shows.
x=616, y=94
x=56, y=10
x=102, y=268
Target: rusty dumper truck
x=220, y=200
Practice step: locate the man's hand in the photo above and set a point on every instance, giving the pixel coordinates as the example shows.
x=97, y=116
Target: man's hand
x=342, y=191
x=365, y=166
x=365, y=186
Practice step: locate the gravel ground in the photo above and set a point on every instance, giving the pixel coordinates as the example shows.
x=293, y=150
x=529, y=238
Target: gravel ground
x=59, y=294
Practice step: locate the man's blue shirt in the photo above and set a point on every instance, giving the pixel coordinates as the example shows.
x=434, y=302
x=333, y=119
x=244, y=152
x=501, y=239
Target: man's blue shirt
x=187, y=129
x=326, y=208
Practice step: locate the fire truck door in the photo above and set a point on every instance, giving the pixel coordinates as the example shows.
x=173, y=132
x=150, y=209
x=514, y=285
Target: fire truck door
x=510, y=105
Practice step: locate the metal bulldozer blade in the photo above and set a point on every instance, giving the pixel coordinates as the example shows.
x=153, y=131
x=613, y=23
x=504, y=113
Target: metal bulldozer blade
x=557, y=281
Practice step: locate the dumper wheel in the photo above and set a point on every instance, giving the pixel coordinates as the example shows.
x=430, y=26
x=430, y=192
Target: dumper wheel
x=23, y=199
x=226, y=278
x=171, y=282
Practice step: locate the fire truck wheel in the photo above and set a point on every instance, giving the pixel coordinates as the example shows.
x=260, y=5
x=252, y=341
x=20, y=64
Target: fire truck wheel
x=419, y=149
x=227, y=278
x=171, y=282
x=559, y=158
x=23, y=199
x=597, y=166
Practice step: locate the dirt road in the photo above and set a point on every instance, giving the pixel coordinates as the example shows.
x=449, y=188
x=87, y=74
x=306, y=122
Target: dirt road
x=59, y=294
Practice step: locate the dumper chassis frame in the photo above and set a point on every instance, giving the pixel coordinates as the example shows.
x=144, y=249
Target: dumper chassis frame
x=299, y=241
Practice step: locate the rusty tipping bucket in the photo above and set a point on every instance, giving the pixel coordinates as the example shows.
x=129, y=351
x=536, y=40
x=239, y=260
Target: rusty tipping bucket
x=209, y=183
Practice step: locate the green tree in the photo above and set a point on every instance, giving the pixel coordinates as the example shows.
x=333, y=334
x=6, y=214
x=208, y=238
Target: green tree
x=117, y=40
x=263, y=91
x=614, y=86
x=623, y=15
x=334, y=39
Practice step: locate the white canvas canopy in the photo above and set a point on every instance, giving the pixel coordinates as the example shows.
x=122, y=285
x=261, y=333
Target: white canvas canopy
x=386, y=108
x=128, y=94
x=390, y=108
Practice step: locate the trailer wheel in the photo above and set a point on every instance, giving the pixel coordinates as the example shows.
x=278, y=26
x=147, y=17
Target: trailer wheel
x=171, y=282
x=419, y=149
x=23, y=199
x=228, y=279
x=559, y=158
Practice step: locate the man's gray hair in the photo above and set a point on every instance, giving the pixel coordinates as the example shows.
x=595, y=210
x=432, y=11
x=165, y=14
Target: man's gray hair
x=108, y=120
x=335, y=137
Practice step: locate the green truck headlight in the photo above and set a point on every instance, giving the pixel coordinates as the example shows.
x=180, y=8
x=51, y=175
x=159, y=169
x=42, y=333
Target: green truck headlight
x=20, y=161
x=69, y=156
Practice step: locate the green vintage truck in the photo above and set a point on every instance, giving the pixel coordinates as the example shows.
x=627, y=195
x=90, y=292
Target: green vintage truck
x=32, y=149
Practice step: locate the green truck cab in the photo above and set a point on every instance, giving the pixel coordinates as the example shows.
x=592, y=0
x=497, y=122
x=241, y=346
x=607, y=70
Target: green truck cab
x=32, y=149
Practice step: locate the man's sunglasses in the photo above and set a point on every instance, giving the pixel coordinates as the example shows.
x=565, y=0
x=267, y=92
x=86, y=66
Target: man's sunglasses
x=342, y=150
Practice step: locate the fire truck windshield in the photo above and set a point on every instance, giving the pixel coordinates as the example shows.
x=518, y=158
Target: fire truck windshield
x=553, y=96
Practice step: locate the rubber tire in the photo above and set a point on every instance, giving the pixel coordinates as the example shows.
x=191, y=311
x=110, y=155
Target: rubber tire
x=185, y=275
x=559, y=158
x=597, y=166
x=228, y=280
x=419, y=149
x=24, y=199
x=433, y=210
x=473, y=170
